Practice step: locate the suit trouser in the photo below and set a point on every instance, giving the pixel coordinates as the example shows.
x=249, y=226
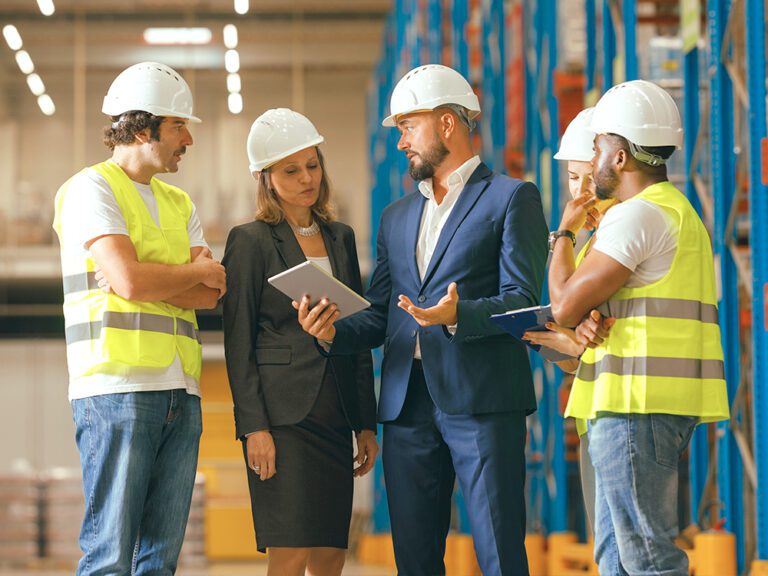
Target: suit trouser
x=423, y=451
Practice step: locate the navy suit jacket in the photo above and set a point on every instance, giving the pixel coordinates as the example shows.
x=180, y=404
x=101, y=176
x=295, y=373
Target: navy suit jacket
x=494, y=246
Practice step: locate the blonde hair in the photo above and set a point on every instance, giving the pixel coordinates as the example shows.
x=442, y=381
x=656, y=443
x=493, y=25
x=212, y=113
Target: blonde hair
x=268, y=205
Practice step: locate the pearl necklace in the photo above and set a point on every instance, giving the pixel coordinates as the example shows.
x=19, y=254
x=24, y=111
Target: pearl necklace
x=307, y=231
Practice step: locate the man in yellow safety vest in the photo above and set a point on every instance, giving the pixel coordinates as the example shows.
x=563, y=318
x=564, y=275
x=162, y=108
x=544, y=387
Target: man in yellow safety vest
x=644, y=386
x=135, y=267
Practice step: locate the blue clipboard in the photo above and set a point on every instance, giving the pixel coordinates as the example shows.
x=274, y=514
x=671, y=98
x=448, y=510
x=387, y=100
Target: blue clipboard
x=517, y=322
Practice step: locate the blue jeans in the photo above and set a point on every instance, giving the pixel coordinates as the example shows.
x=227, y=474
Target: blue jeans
x=138, y=452
x=635, y=458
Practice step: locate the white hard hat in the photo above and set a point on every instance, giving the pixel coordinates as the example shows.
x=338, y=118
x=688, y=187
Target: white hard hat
x=277, y=134
x=428, y=87
x=151, y=87
x=640, y=111
x=578, y=140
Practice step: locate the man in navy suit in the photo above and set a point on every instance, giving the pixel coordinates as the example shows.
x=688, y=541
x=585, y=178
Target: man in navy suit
x=455, y=389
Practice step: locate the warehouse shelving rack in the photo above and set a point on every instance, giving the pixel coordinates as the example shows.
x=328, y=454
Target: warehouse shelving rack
x=724, y=109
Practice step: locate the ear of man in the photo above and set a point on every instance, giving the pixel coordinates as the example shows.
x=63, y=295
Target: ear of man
x=143, y=136
x=445, y=122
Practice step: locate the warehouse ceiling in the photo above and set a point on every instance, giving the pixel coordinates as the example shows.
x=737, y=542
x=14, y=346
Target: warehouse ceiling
x=108, y=34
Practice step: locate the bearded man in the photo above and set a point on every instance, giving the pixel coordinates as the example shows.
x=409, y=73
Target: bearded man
x=455, y=388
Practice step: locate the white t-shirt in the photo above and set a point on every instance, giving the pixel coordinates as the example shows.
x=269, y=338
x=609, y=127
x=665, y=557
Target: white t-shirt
x=433, y=219
x=640, y=236
x=90, y=210
x=323, y=261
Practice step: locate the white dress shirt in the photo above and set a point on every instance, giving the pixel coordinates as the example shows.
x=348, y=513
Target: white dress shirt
x=434, y=217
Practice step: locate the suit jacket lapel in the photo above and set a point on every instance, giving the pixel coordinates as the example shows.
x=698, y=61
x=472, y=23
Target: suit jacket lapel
x=412, y=224
x=337, y=253
x=286, y=244
x=473, y=189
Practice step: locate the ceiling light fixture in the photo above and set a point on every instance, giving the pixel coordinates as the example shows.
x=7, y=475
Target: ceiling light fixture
x=12, y=37
x=233, y=83
x=35, y=84
x=241, y=6
x=235, y=103
x=46, y=104
x=46, y=7
x=170, y=36
x=232, y=61
x=230, y=36
x=24, y=60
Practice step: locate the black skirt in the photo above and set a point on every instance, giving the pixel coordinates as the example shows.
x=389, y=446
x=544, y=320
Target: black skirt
x=308, y=502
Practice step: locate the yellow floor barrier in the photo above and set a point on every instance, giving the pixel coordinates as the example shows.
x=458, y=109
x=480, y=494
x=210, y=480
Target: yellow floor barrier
x=460, y=559
x=536, y=549
x=714, y=554
x=566, y=556
x=376, y=549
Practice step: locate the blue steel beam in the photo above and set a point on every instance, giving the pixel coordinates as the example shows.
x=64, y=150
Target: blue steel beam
x=547, y=499
x=591, y=56
x=699, y=452
x=559, y=510
x=434, y=32
x=414, y=40
x=629, y=14
x=538, y=423
x=459, y=17
x=493, y=119
x=756, y=73
x=381, y=194
x=730, y=470
x=609, y=45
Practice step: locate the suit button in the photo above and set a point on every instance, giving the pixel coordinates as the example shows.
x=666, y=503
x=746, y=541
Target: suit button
x=413, y=334
x=422, y=298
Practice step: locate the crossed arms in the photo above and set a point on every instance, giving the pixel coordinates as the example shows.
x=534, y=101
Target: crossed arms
x=196, y=285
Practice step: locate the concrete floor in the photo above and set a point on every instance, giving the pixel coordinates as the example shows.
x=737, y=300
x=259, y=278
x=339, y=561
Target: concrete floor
x=218, y=569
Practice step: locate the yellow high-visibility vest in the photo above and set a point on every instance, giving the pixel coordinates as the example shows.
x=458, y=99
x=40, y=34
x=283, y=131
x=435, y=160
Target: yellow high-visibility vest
x=663, y=355
x=581, y=423
x=107, y=334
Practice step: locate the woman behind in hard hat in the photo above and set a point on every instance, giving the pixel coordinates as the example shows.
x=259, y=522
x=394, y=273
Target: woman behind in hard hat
x=659, y=372
x=295, y=410
x=576, y=148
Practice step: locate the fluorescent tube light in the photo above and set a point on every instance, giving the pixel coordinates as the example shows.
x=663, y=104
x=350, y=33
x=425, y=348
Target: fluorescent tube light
x=46, y=7
x=35, y=84
x=235, y=103
x=196, y=36
x=230, y=36
x=12, y=37
x=46, y=104
x=24, y=60
x=241, y=6
x=233, y=82
x=232, y=61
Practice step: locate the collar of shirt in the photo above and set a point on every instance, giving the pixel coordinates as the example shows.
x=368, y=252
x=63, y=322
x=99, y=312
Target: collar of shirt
x=456, y=181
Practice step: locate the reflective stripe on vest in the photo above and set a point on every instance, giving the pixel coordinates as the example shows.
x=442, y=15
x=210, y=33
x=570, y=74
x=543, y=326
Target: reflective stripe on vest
x=80, y=282
x=662, y=308
x=131, y=321
x=653, y=366
x=104, y=332
x=663, y=354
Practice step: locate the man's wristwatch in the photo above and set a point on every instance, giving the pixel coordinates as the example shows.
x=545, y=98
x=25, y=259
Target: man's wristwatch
x=553, y=236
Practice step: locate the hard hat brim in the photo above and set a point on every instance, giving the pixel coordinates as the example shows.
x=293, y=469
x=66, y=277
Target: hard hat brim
x=261, y=166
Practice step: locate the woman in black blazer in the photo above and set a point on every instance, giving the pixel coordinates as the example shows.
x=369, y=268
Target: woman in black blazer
x=295, y=410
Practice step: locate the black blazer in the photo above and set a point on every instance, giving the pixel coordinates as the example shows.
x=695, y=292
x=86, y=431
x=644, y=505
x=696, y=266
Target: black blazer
x=274, y=368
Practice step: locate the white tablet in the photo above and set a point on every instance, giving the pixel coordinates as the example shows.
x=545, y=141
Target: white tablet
x=309, y=278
